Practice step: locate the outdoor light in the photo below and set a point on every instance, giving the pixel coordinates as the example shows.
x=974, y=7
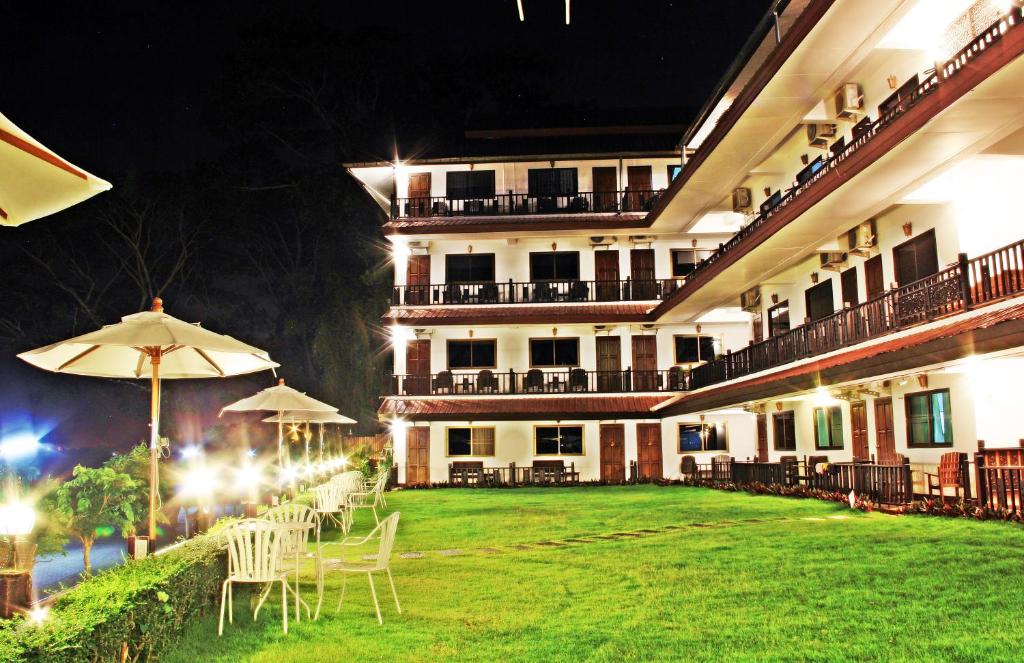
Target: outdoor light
x=251, y=453
x=191, y=451
x=37, y=616
x=248, y=478
x=400, y=252
x=199, y=482
x=288, y=475
x=16, y=519
x=19, y=445
x=399, y=335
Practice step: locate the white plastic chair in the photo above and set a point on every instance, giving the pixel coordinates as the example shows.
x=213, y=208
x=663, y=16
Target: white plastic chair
x=254, y=554
x=329, y=502
x=370, y=499
x=295, y=544
x=384, y=533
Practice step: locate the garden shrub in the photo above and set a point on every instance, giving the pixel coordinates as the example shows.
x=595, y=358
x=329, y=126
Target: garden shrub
x=139, y=608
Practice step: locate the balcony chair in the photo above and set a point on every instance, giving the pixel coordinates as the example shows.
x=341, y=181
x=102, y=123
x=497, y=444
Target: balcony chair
x=721, y=467
x=534, y=381
x=578, y=291
x=439, y=208
x=466, y=472
x=548, y=471
x=676, y=380
x=487, y=293
x=688, y=467
x=578, y=380
x=543, y=292
x=384, y=535
x=444, y=382
x=949, y=475
x=254, y=556
x=295, y=546
x=579, y=204
x=486, y=383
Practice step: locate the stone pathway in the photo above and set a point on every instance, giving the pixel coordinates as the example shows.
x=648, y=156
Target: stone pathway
x=554, y=544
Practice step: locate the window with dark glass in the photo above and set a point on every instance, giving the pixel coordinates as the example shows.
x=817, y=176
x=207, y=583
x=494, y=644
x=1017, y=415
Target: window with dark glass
x=554, y=352
x=701, y=437
x=558, y=440
x=684, y=261
x=929, y=419
x=470, y=441
x=691, y=349
x=468, y=184
x=553, y=182
x=555, y=266
x=784, y=430
x=819, y=301
x=469, y=268
x=778, y=319
x=476, y=353
x=828, y=427
x=673, y=171
x=916, y=258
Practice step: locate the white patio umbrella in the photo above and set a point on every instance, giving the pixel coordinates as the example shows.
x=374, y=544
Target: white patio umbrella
x=35, y=182
x=280, y=398
x=156, y=346
x=307, y=418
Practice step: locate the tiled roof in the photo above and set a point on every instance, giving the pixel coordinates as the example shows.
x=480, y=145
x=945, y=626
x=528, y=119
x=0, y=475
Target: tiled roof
x=511, y=313
x=571, y=407
x=424, y=225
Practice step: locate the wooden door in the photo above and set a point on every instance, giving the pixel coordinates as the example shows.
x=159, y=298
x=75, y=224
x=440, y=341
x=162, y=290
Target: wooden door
x=613, y=453
x=639, y=178
x=609, y=364
x=419, y=195
x=885, y=439
x=645, y=363
x=606, y=184
x=859, y=424
x=417, y=456
x=762, y=438
x=418, y=279
x=874, y=282
x=648, y=451
x=848, y=281
x=641, y=272
x=606, y=273
x=417, y=367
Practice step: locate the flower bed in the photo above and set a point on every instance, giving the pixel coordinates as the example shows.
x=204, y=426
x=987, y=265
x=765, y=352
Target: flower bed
x=130, y=613
x=860, y=503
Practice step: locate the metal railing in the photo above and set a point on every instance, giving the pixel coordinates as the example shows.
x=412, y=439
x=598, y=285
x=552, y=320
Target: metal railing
x=511, y=203
x=534, y=292
x=487, y=382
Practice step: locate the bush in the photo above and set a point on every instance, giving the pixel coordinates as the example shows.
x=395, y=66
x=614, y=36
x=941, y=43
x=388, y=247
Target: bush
x=141, y=606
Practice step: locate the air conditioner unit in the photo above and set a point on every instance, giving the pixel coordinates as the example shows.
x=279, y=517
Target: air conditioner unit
x=742, y=200
x=751, y=300
x=849, y=102
x=641, y=239
x=833, y=260
x=818, y=134
x=862, y=239
x=419, y=244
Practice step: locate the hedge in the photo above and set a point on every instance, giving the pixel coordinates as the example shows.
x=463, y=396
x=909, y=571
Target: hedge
x=138, y=609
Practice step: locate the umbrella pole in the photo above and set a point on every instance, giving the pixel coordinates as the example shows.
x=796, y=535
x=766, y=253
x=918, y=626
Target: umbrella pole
x=305, y=438
x=321, y=443
x=154, y=444
x=280, y=443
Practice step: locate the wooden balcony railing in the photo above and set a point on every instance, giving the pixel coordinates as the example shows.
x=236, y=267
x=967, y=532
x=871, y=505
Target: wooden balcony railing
x=475, y=475
x=534, y=292
x=968, y=284
x=536, y=381
x=866, y=131
x=506, y=204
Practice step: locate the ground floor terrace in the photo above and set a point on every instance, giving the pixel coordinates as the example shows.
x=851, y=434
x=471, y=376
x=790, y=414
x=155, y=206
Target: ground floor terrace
x=657, y=573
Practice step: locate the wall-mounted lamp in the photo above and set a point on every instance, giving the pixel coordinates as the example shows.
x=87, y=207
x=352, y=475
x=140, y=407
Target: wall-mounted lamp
x=767, y=191
x=908, y=229
x=814, y=277
x=804, y=159
x=554, y=246
x=892, y=81
x=922, y=380
x=775, y=298
x=469, y=248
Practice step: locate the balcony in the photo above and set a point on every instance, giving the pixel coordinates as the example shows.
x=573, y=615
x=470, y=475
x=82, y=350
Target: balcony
x=537, y=382
x=520, y=204
x=534, y=292
x=969, y=284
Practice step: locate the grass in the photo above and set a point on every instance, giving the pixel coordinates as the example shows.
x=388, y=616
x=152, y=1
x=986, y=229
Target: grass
x=806, y=588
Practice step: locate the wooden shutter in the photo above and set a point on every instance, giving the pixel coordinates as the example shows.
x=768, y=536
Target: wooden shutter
x=645, y=363
x=648, y=449
x=417, y=454
x=613, y=453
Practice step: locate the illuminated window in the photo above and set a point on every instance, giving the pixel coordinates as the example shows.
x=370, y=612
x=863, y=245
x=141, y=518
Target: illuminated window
x=470, y=441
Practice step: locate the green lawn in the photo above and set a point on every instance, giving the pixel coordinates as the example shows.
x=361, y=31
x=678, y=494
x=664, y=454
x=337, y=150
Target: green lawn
x=775, y=579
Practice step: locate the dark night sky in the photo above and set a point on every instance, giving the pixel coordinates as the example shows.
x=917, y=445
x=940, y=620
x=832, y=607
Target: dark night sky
x=118, y=86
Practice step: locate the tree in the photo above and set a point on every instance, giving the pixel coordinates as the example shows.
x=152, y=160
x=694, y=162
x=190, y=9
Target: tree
x=135, y=464
x=96, y=498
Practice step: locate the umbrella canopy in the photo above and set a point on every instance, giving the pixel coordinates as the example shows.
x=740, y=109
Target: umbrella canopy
x=35, y=182
x=310, y=418
x=151, y=345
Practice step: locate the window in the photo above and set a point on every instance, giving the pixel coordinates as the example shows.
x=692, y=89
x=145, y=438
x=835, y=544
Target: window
x=692, y=349
x=819, y=301
x=778, y=319
x=828, y=427
x=929, y=422
x=916, y=258
x=701, y=437
x=558, y=440
x=547, y=352
x=673, y=171
x=552, y=182
x=466, y=184
x=470, y=441
x=685, y=261
x=784, y=431
x=472, y=354
x=555, y=266
x=469, y=268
